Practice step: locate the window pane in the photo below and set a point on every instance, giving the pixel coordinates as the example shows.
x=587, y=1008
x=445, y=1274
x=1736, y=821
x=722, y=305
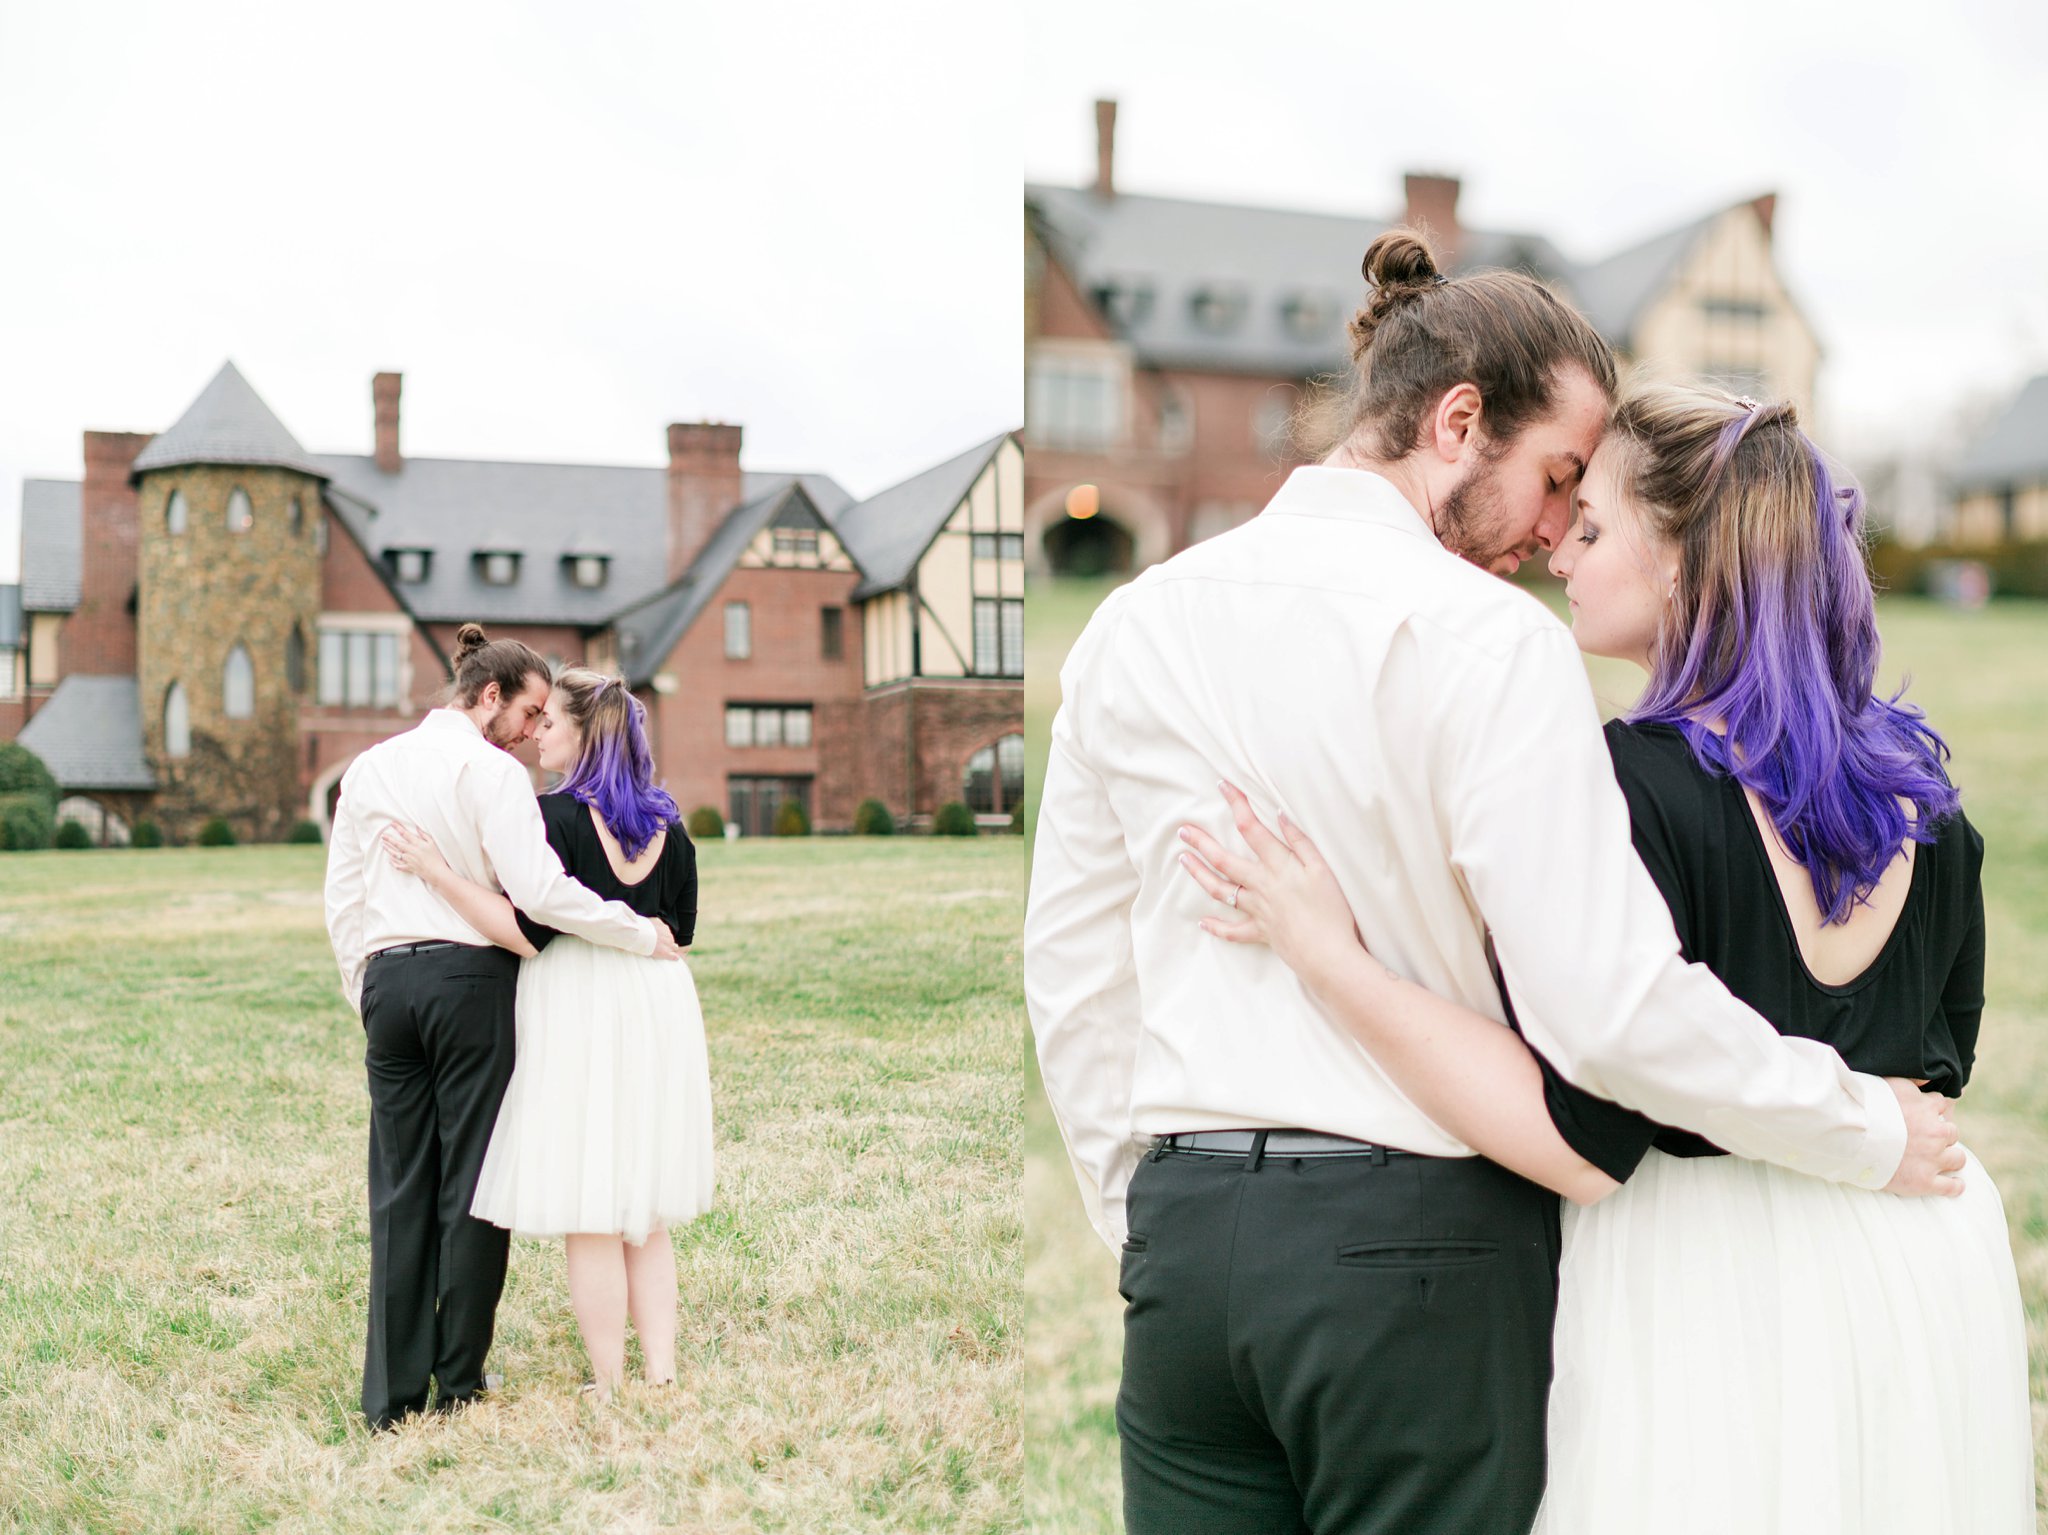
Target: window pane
x=1010, y=767
x=358, y=669
x=330, y=667
x=833, y=621
x=177, y=723
x=979, y=789
x=767, y=727
x=174, y=514
x=386, y=684
x=984, y=546
x=739, y=726
x=295, y=661
x=1013, y=546
x=796, y=727
x=1013, y=638
x=987, y=637
x=238, y=686
x=739, y=632
x=239, y=516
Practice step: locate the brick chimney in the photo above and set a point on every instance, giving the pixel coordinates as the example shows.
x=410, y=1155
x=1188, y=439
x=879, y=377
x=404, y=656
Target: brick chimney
x=99, y=638
x=384, y=395
x=1105, y=149
x=704, y=485
x=1766, y=209
x=1433, y=208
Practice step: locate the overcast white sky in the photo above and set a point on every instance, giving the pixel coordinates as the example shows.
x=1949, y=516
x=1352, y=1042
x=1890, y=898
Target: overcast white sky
x=566, y=225
x=1908, y=145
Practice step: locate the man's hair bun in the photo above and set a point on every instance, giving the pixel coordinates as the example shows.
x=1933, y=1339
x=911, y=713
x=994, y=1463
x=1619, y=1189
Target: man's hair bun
x=468, y=638
x=1401, y=268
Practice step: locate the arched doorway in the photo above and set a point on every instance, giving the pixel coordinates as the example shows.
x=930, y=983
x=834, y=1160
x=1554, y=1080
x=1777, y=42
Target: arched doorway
x=324, y=795
x=1087, y=530
x=1087, y=547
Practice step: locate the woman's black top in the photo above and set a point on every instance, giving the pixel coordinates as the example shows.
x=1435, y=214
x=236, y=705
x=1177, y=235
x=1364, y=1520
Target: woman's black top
x=668, y=891
x=1912, y=1013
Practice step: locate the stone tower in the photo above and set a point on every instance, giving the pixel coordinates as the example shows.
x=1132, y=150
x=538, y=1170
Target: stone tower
x=227, y=606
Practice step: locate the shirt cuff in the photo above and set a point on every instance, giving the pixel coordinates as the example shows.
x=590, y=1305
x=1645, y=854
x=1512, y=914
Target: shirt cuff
x=1884, y=1143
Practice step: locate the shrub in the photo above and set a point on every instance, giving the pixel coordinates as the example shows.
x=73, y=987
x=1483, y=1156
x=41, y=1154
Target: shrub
x=73, y=835
x=146, y=834
x=1017, y=821
x=22, y=772
x=304, y=831
x=954, y=820
x=873, y=819
x=27, y=821
x=705, y=821
x=216, y=833
x=2016, y=569
x=790, y=820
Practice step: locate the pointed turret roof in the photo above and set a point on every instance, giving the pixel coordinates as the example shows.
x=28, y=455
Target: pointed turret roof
x=228, y=424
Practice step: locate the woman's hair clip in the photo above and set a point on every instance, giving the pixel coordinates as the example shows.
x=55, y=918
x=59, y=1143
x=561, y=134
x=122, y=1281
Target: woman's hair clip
x=1748, y=404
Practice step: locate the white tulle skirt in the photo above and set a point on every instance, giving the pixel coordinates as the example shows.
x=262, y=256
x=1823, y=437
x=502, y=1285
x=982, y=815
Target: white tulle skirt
x=1743, y=1350
x=606, y=1125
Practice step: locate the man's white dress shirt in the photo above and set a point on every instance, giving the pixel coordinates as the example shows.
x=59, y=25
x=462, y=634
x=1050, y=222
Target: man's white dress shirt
x=478, y=805
x=1432, y=728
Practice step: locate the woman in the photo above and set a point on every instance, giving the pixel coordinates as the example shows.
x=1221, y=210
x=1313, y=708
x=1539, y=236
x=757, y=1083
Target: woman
x=604, y=1137
x=1739, y=1347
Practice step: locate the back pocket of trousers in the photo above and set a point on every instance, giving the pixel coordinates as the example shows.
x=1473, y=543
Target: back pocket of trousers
x=1412, y=1254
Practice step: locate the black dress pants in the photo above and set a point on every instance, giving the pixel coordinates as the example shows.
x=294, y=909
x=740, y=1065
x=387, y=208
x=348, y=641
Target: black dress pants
x=440, y=1049
x=1335, y=1345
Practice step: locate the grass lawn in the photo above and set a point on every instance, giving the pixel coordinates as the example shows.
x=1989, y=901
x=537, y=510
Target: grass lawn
x=184, y=1252
x=1983, y=679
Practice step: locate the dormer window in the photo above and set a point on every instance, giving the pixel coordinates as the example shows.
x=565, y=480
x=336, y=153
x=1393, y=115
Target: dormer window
x=409, y=565
x=1217, y=306
x=1126, y=301
x=498, y=567
x=588, y=570
x=1308, y=316
x=241, y=516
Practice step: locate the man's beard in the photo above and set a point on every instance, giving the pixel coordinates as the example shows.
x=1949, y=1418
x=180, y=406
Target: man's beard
x=500, y=729
x=1471, y=523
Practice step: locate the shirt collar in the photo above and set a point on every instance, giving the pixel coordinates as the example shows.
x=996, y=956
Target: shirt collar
x=446, y=718
x=1352, y=495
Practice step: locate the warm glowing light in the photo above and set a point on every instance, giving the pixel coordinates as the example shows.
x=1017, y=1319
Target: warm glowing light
x=1083, y=502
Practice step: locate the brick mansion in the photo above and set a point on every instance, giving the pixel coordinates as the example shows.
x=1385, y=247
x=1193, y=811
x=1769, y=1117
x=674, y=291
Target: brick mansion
x=213, y=622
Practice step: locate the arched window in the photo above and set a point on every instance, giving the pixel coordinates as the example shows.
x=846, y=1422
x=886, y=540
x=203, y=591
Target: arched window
x=298, y=516
x=238, y=686
x=295, y=660
x=240, y=513
x=177, y=723
x=174, y=513
x=994, y=781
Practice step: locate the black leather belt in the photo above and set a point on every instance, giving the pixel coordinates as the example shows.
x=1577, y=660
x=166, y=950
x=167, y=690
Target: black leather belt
x=1276, y=1143
x=419, y=948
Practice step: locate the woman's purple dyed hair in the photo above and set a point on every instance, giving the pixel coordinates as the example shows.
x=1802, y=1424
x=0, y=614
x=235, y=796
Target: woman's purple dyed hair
x=1772, y=634
x=614, y=775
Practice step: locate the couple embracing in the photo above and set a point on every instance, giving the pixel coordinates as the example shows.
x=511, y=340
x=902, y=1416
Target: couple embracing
x=1328, y=1038
x=534, y=1046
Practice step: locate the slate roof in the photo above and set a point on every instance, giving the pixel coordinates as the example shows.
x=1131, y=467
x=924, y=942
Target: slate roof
x=650, y=629
x=1613, y=293
x=888, y=533
x=11, y=623
x=2015, y=450
x=546, y=512
x=1271, y=257
x=227, y=424
x=52, y=545
x=89, y=734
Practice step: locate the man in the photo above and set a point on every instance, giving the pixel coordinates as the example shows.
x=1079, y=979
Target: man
x=436, y=1000
x=1338, y=1319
